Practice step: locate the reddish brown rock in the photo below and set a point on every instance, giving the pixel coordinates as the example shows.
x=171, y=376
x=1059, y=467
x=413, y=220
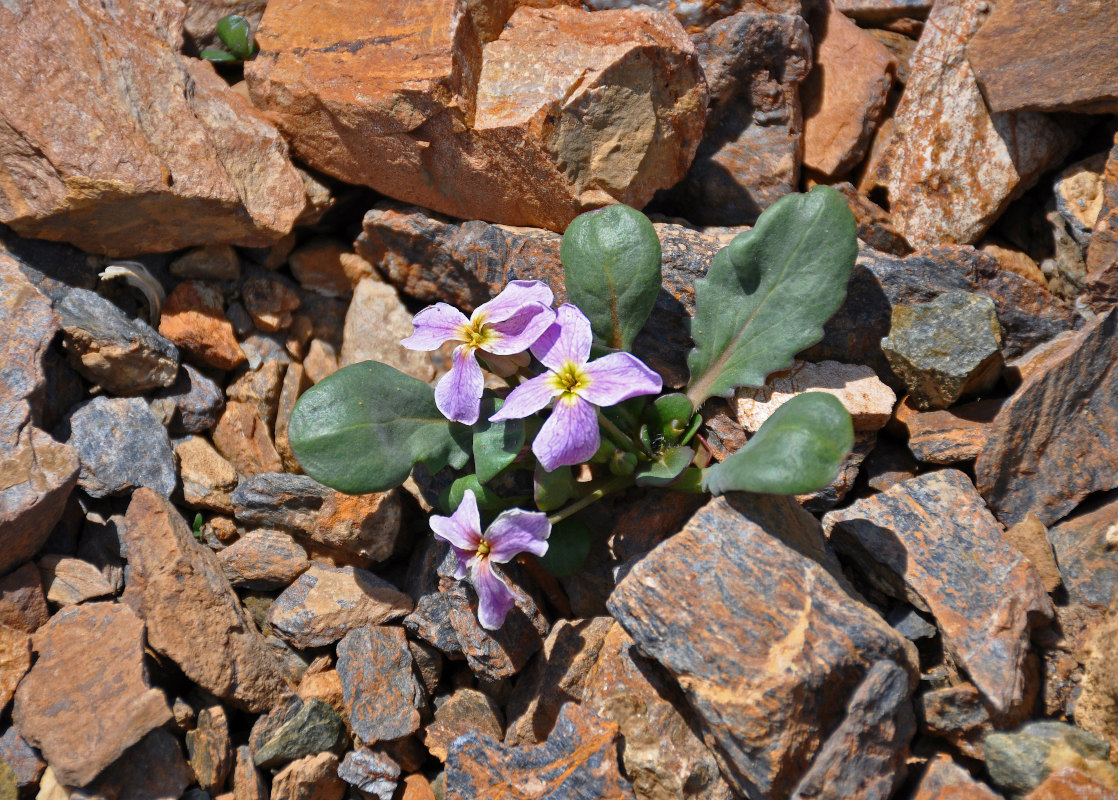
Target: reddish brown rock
x=417, y=787
x=263, y=559
x=192, y=615
x=778, y=653
x=321, y=360
x=946, y=780
x=883, y=10
x=329, y=267
x=248, y=781
x=931, y=541
x=154, y=767
x=194, y=319
x=958, y=715
x=69, y=581
x=1031, y=538
x=1102, y=250
x=325, y=686
x=1015, y=261
x=875, y=226
x=170, y=140
x=309, y=778
x=208, y=480
x=504, y=652
x=844, y=95
x=579, y=759
x=295, y=382
x=102, y=646
x=15, y=660
x=1084, y=544
x=952, y=167
x=1069, y=783
x=22, y=604
x=217, y=262
x=261, y=387
x=463, y=711
x=369, y=525
x=498, y=142
x=380, y=691
x=243, y=437
x=948, y=436
x=1055, y=441
x=210, y=749
x=269, y=303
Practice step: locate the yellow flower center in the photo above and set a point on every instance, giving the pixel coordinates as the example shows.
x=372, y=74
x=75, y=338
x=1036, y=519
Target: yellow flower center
x=570, y=379
x=475, y=334
x=483, y=548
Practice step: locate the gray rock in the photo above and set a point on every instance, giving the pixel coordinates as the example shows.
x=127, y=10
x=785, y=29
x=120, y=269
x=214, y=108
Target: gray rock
x=124, y=356
x=24, y=759
x=946, y=348
x=379, y=688
x=910, y=624
x=295, y=729
x=279, y=500
x=1018, y=762
x=192, y=404
x=121, y=446
x=371, y=772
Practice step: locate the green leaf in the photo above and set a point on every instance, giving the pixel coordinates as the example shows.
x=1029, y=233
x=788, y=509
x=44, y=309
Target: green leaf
x=487, y=499
x=213, y=54
x=611, y=260
x=665, y=469
x=235, y=33
x=799, y=449
x=554, y=488
x=768, y=293
x=196, y=528
x=567, y=548
x=669, y=416
x=496, y=444
x=364, y=427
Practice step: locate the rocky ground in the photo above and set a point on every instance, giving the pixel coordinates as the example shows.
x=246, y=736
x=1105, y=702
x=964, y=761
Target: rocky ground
x=185, y=250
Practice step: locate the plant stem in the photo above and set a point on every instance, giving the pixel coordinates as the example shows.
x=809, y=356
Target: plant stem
x=619, y=436
x=609, y=487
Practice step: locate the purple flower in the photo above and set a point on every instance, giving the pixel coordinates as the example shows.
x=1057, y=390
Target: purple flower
x=570, y=435
x=514, y=531
x=506, y=325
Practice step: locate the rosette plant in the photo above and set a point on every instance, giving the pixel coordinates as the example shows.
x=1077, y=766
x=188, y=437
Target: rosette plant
x=579, y=415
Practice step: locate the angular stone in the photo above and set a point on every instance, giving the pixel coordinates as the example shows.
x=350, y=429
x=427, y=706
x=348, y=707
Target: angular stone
x=295, y=382
x=875, y=226
x=949, y=436
x=104, y=643
x=309, y=778
x=463, y=711
x=23, y=759
x=277, y=500
x=216, y=262
x=248, y=781
x=504, y=652
x=1031, y=538
x=869, y=401
x=15, y=660
x=931, y=541
x=121, y=354
x=661, y=754
x=194, y=318
x=324, y=604
x=296, y=729
x=1053, y=442
x=1015, y=261
x=1096, y=705
x=958, y=715
x=553, y=118
x=329, y=267
x=1020, y=760
x=381, y=693
x=69, y=581
x=370, y=772
x=1102, y=251
x=1070, y=783
x=121, y=446
x=269, y=303
x=946, y=348
x=952, y=167
x=375, y=324
x=417, y=787
x=321, y=361
x=263, y=559
x=22, y=604
x=211, y=749
x=1084, y=546
x=192, y=615
x=192, y=404
x=780, y=650
x=883, y=10
x=208, y=480
x=946, y=780
x=243, y=438
x=154, y=767
x=325, y=686
x=845, y=93
x=260, y=387
x=557, y=675
x=369, y=525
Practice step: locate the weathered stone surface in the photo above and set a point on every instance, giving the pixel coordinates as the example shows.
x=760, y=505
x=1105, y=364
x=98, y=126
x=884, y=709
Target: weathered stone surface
x=121, y=354
x=780, y=650
x=101, y=645
x=751, y=148
x=875, y=226
x=381, y=693
x=931, y=541
x=844, y=95
x=15, y=660
x=370, y=772
x=194, y=319
x=1072, y=783
x=260, y=387
x=321, y=361
x=1102, y=251
x=948, y=436
x=1016, y=261
x=660, y=753
x=263, y=559
x=325, y=603
x=463, y=711
x=152, y=768
x=1020, y=760
x=417, y=787
x=210, y=749
x=958, y=715
x=121, y=446
x=242, y=436
x=215, y=262
x=278, y=500
x=558, y=675
x=1053, y=442
x=564, y=112
x=951, y=167
x=295, y=382
x=882, y=10
x=208, y=480
x=579, y=759
x=1031, y=538
x=309, y=778
x=248, y=781
x=946, y=348
x=22, y=604
x=1096, y=707
x=329, y=267
x=24, y=759
x=869, y=401
x=1084, y=546
x=184, y=148
x=375, y=324
x=192, y=615
x=269, y=303
x=192, y=404
x=296, y=729
x=69, y=581
x=946, y=780
x=369, y=525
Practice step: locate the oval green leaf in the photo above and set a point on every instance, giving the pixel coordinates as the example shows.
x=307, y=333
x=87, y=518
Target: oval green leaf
x=799, y=449
x=552, y=489
x=768, y=293
x=236, y=34
x=611, y=261
x=363, y=428
x=496, y=444
x=665, y=469
x=567, y=548
x=213, y=54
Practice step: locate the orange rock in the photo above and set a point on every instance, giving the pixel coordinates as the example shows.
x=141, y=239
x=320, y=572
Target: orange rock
x=194, y=319
x=1031, y=538
x=243, y=438
x=366, y=524
x=325, y=686
x=946, y=780
x=417, y=787
x=1069, y=783
x=947, y=436
x=269, y=303
x=1015, y=261
x=329, y=267
x=15, y=660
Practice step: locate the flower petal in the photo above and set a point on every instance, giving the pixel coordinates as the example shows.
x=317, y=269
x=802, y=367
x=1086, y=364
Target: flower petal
x=569, y=436
x=527, y=398
x=464, y=557
x=517, y=531
x=458, y=393
x=514, y=296
x=617, y=377
x=435, y=325
x=566, y=340
x=494, y=597
x=521, y=330
x=462, y=528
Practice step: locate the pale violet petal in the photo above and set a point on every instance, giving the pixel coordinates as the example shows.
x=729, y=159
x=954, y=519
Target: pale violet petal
x=494, y=597
x=616, y=377
x=527, y=398
x=515, y=295
x=569, y=436
x=463, y=556
x=520, y=331
x=462, y=529
x=458, y=393
x=567, y=340
x=517, y=531
x=434, y=326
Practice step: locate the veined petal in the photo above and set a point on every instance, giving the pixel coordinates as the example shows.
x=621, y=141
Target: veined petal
x=521, y=330
x=517, y=531
x=569, y=436
x=494, y=597
x=464, y=557
x=514, y=296
x=616, y=377
x=458, y=393
x=527, y=398
x=567, y=340
x=462, y=528
x=435, y=325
